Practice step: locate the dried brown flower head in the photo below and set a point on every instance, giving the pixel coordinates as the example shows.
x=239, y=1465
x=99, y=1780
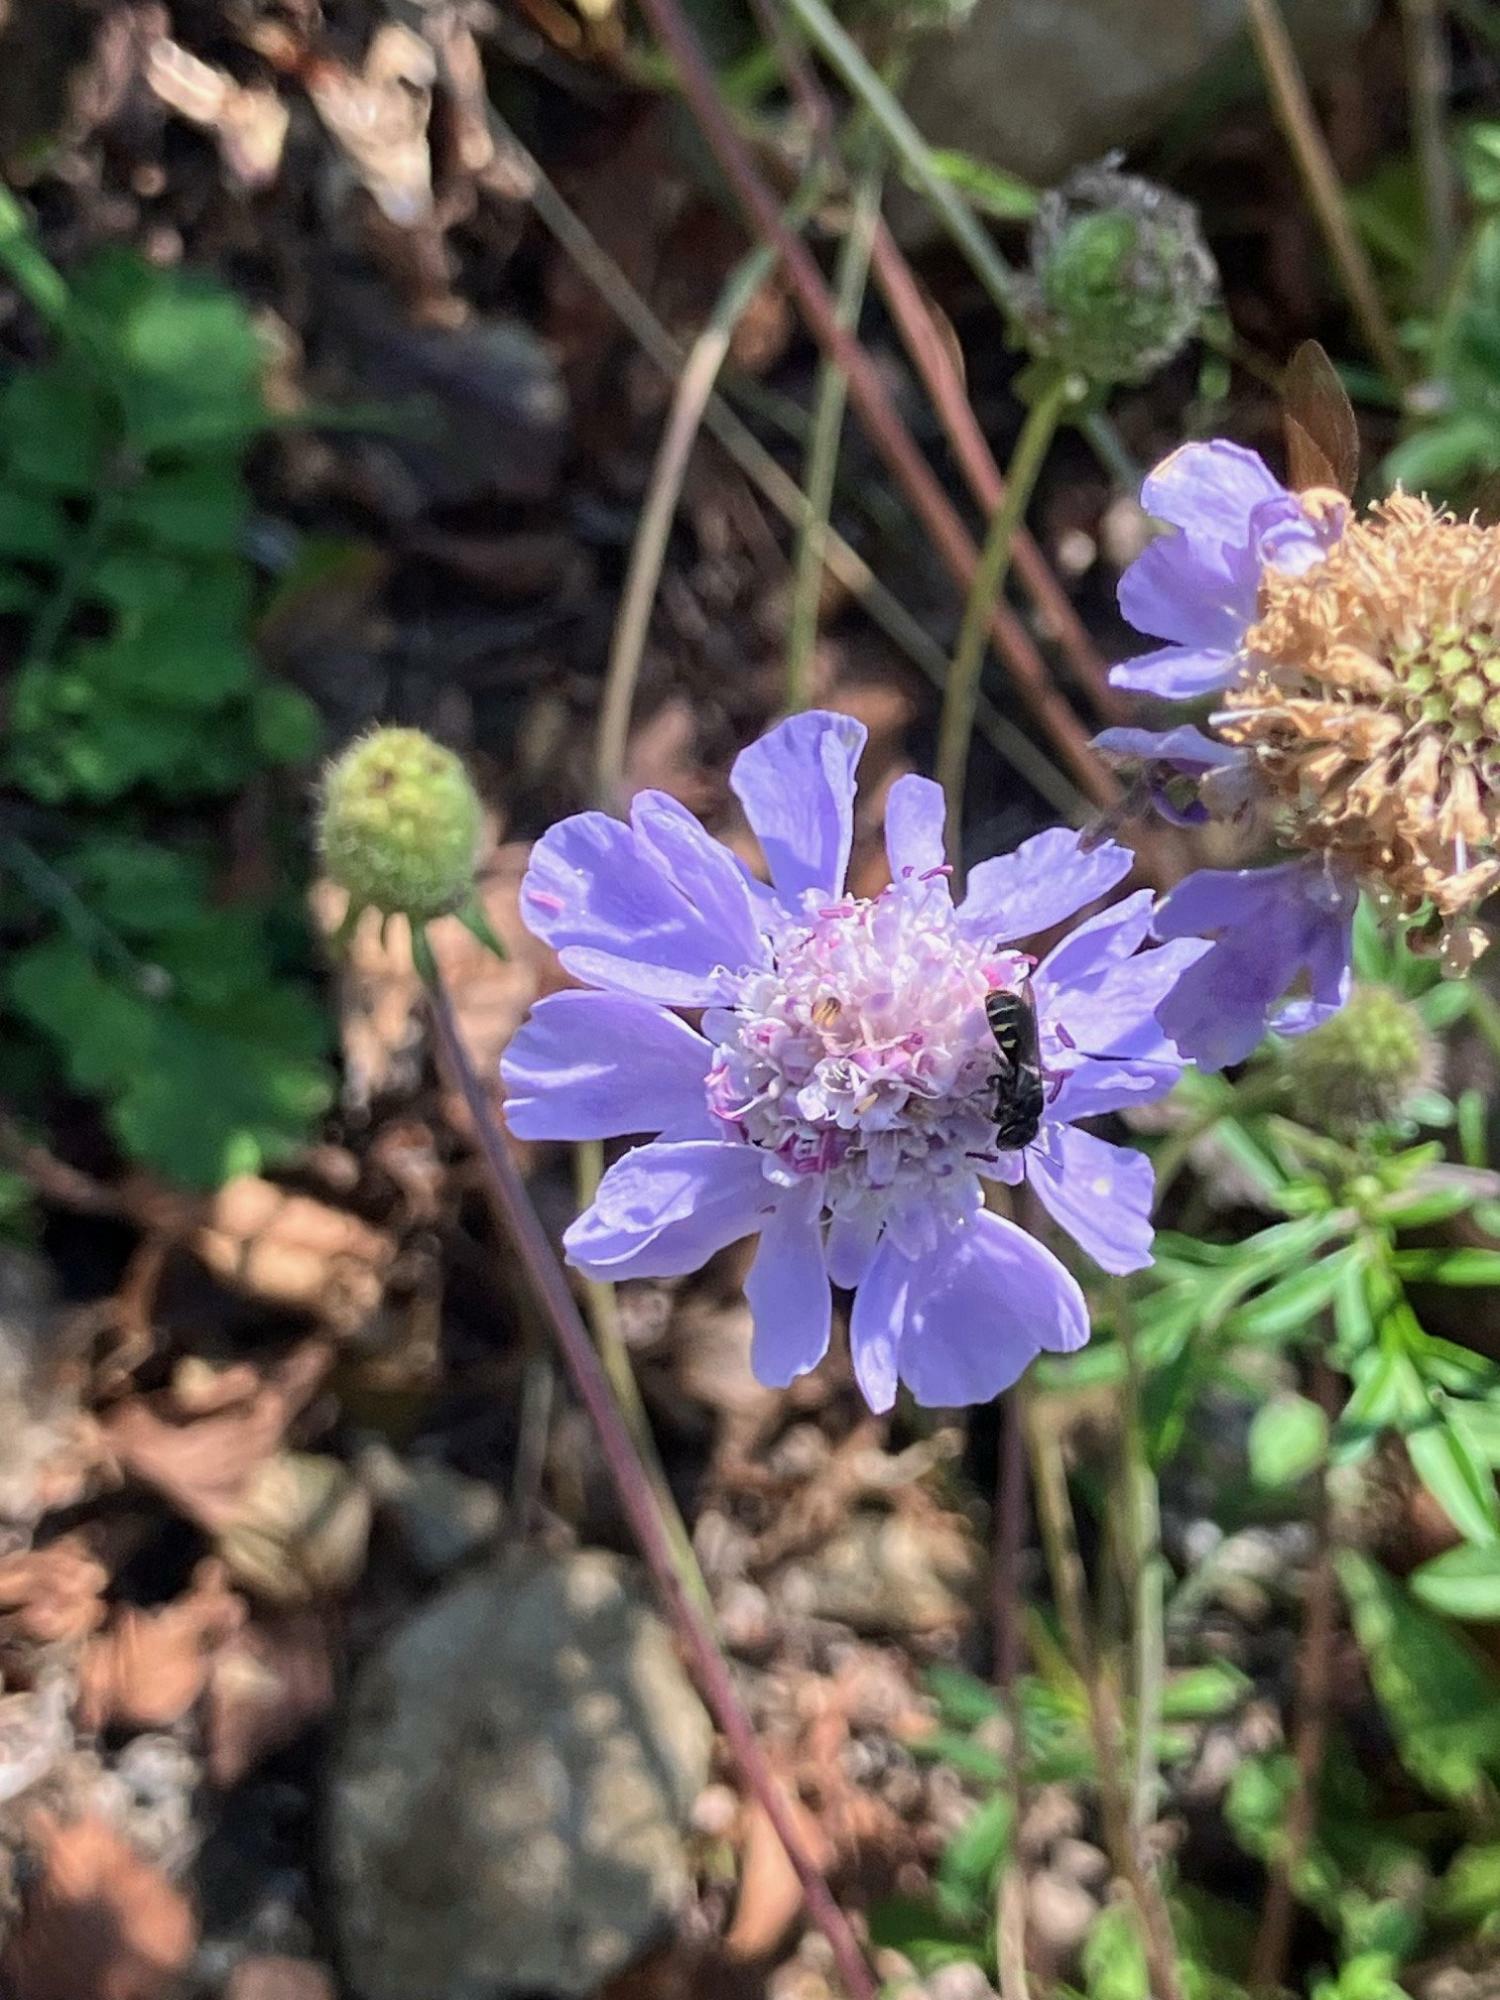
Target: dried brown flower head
x=1370, y=700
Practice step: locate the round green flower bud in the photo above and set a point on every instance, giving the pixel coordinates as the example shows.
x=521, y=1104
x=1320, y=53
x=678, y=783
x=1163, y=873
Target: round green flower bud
x=400, y=825
x=1120, y=275
x=1362, y=1068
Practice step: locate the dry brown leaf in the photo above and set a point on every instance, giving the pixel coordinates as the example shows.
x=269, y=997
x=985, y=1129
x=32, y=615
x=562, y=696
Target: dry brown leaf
x=35, y=1735
x=300, y=1531
x=770, y=1895
x=53, y=1594
x=378, y=117
x=271, y=1681
x=296, y=1253
x=249, y=121
x=204, y=1464
x=98, y=1923
x=149, y=1667
x=279, y=1979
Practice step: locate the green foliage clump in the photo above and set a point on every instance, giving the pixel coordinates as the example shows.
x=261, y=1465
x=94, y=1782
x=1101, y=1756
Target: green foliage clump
x=139, y=704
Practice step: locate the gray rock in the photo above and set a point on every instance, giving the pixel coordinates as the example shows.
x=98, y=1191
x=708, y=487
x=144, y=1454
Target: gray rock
x=509, y=1799
x=1042, y=85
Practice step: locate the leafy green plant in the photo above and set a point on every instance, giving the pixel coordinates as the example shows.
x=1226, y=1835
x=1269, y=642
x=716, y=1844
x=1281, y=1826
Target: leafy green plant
x=137, y=708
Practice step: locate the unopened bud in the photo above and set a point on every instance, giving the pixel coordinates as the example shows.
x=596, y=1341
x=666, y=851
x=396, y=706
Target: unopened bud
x=1362, y=1068
x=1120, y=275
x=400, y=825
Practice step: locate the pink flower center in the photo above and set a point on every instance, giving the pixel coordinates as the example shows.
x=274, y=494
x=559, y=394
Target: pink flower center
x=864, y=1055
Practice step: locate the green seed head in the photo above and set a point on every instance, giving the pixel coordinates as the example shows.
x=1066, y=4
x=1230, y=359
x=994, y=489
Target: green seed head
x=1362, y=1068
x=1120, y=275
x=400, y=825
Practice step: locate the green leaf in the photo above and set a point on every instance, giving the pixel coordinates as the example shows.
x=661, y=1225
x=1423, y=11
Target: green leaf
x=1461, y=1583
x=1291, y=1306
x=1469, y=1893
x=1197, y=1694
x=179, y=351
x=201, y=509
x=1442, y=1703
x=1288, y=1439
x=285, y=725
x=1449, y=1267
x=1114, y=1963
x=1457, y=1478
x=33, y=528
x=200, y=1093
x=971, y=1861
x=991, y=190
x=53, y=431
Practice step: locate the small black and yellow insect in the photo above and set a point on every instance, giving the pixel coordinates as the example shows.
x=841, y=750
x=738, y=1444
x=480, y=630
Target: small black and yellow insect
x=1020, y=1088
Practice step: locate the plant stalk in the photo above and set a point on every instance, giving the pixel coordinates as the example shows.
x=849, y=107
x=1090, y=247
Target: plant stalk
x=1293, y=107
x=518, y=1218
x=1069, y=1586
x=822, y=464
x=870, y=395
x=1313, y=1708
x=956, y=723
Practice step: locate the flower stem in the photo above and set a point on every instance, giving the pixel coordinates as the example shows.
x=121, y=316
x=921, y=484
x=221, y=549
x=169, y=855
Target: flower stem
x=516, y=1215
x=1293, y=107
x=691, y=402
x=1314, y=1701
x=604, y=1316
x=1010, y=1538
x=956, y=723
x=822, y=464
x=1069, y=1586
x=1141, y=1517
x=869, y=393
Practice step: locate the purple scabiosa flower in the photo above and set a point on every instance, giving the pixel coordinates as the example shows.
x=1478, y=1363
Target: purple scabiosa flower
x=1201, y=589
x=835, y=1091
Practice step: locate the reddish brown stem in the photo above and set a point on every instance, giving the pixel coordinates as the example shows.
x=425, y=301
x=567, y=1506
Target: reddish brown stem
x=934, y=362
x=517, y=1217
x=870, y=397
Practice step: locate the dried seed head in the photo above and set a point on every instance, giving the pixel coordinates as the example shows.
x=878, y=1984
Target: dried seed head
x=400, y=825
x=1121, y=276
x=1362, y=1068
x=1370, y=701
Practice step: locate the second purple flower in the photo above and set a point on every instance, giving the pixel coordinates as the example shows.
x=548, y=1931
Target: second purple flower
x=836, y=1090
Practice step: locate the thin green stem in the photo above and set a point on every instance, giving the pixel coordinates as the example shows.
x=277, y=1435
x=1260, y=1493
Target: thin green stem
x=603, y=1308
x=1070, y=1591
x=1141, y=1516
x=821, y=468
x=1293, y=107
x=956, y=723
x=860, y=76
x=691, y=403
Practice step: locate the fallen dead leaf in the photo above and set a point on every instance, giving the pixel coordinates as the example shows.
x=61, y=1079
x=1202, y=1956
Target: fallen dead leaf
x=378, y=118
x=770, y=1895
x=273, y=1679
x=279, y=1979
x=146, y=1670
x=34, y=1735
x=300, y=1530
x=204, y=1464
x=295, y=1253
x=52, y=1595
x=248, y=121
x=98, y=1920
